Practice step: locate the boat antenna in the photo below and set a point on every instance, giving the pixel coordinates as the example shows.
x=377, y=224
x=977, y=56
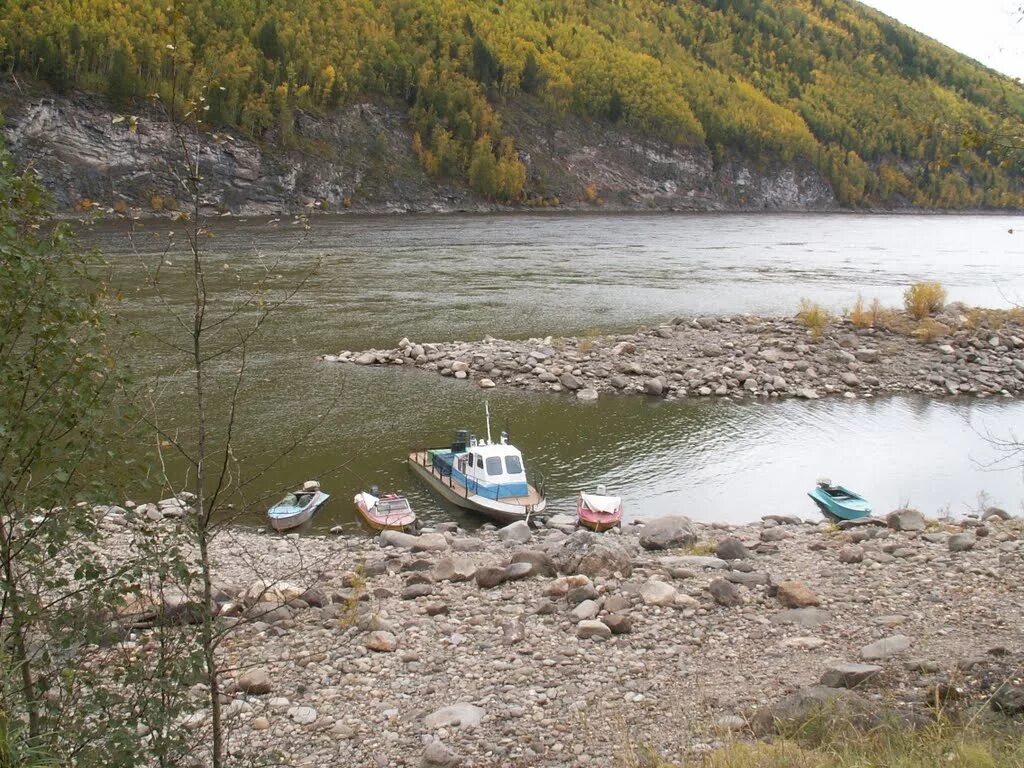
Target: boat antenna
x=487, y=410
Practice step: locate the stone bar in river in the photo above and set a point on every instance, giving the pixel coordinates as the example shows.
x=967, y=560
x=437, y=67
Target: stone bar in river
x=742, y=357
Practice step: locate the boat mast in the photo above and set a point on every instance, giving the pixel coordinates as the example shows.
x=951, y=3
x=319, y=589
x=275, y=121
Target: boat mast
x=487, y=410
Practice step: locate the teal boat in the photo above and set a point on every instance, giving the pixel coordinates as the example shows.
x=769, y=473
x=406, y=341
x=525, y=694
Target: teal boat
x=836, y=501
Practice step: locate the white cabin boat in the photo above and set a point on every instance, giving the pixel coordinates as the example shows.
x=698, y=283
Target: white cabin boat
x=482, y=476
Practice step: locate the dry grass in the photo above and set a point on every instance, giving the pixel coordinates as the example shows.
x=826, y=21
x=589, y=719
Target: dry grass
x=588, y=340
x=894, y=321
x=861, y=316
x=814, y=317
x=888, y=746
x=702, y=548
x=924, y=299
x=930, y=329
x=993, y=319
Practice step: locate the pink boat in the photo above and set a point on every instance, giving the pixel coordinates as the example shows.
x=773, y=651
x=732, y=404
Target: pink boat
x=389, y=512
x=599, y=512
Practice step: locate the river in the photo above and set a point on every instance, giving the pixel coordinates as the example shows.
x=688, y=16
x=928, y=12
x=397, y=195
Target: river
x=462, y=276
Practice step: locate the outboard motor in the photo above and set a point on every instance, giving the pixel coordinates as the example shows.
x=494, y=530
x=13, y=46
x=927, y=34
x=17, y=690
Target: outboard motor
x=375, y=491
x=461, y=441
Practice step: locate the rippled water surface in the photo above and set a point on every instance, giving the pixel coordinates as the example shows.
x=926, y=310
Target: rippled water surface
x=446, y=277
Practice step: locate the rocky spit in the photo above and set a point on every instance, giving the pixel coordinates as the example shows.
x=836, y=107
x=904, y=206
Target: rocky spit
x=735, y=357
x=559, y=647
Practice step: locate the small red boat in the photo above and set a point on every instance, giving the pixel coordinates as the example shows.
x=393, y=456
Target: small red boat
x=390, y=512
x=599, y=512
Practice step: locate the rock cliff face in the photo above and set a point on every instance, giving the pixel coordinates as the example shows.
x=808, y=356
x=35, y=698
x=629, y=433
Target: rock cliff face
x=360, y=158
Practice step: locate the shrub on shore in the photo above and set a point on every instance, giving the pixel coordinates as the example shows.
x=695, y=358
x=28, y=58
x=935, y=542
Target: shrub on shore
x=861, y=316
x=814, y=317
x=924, y=299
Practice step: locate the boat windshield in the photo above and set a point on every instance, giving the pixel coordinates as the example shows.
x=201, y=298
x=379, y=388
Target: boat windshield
x=392, y=505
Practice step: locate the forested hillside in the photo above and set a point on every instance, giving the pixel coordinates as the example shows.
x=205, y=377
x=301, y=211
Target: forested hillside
x=885, y=114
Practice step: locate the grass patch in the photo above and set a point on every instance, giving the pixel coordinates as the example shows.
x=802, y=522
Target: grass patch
x=861, y=316
x=930, y=329
x=813, y=317
x=924, y=299
x=702, y=548
x=887, y=746
x=993, y=319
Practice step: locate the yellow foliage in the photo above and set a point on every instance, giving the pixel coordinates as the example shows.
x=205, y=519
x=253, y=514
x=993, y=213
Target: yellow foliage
x=860, y=316
x=814, y=317
x=836, y=85
x=923, y=299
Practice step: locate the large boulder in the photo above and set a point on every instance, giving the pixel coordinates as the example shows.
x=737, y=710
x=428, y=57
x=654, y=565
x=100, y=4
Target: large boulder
x=1009, y=700
x=593, y=555
x=796, y=594
x=725, y=593
x=668, y=533
x=591, y=628
x=962, y=542
x=833, y=705
x=731, y=548
x=255, y=681
x=906, y=520
x=437, y=755
x=848, y=675
x=516, y=533
x=570, y=382
x=656, y=592
x=272, y=592
x=540, y=563
x=885, y=648
x=454, y=569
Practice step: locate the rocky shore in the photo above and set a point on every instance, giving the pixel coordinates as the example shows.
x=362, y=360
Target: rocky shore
x=739, y=357
x=558, y=647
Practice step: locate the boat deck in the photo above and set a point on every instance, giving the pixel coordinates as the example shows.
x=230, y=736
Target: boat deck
x=421, y=459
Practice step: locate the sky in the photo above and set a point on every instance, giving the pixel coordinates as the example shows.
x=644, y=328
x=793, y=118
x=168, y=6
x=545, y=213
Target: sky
x=986, y=30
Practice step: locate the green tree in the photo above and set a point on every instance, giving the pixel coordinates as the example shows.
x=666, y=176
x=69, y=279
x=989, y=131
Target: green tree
x=63, y=694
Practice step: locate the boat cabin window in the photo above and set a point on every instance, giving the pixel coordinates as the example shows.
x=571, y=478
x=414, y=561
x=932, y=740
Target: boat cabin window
x=493, y=465
x=513, y=465
x=480, y=462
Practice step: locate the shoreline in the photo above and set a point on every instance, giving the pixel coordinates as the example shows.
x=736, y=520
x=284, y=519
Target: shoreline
x=960, y=351
x=535, y=647
x=483, y=210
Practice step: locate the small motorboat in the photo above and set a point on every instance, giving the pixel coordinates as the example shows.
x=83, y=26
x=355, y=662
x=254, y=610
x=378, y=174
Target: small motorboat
x=599, y=511
x=836, y=501
x=297, y=507
x=389, y=512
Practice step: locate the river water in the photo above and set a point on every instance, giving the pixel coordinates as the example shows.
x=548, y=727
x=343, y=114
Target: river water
x=434, y=278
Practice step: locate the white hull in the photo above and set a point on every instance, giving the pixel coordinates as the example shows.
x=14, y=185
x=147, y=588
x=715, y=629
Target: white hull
x=499, y=511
